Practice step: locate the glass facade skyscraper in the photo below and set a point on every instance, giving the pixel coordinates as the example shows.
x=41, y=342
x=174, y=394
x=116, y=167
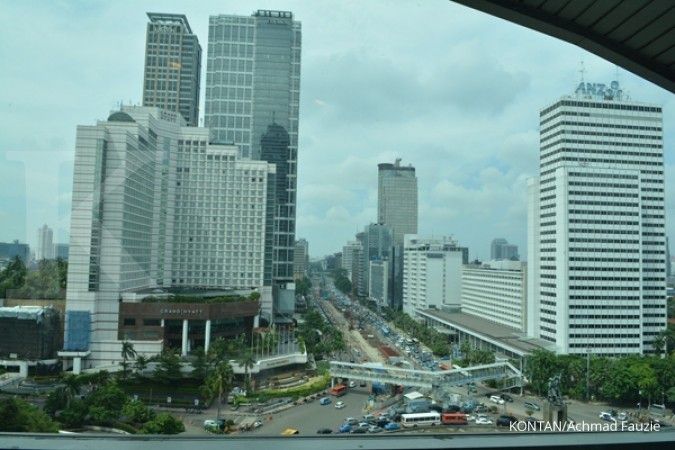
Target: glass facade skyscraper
x=253, y=78
x=173, y=66
x=252, y=100
x=397, y=199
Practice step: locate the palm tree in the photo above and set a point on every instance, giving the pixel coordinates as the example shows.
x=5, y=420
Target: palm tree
x=247, y=361
x=219, y=381
x=72, y=384
x=141, y=364
x=128, y=352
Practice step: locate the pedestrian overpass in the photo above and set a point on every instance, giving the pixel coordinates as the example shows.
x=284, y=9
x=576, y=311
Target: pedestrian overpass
x=457, y=376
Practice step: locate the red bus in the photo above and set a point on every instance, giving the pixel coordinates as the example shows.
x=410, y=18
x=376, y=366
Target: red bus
x=454, y=419
x=338, y=390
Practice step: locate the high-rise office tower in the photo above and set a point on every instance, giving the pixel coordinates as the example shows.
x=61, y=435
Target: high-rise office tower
x=397, y=199
x=173, y=59
x=45, y=247
x=300, y=259
x=253, y=78
x=156, y=205
x=348, y=257
x=252, y=100
x=598, y=224
x=500, y=250
x=377, y=246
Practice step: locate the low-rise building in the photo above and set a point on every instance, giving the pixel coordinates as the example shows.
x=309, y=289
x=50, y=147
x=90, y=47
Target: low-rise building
x=497, y=292
x=431, y=273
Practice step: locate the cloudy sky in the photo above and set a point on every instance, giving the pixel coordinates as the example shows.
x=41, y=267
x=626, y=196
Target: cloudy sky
x=453, y=91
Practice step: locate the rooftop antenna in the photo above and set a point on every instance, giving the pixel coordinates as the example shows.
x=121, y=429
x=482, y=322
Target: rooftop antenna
x=582, y=70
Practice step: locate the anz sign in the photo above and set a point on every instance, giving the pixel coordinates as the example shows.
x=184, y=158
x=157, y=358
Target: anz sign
x=600, y=90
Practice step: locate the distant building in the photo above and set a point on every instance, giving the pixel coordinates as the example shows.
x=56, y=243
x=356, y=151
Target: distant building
x=500, y=249
x=300, y=259
x=497, y=292
x=348, y=257
x=378, y=279
x=173, y=59
x=9, y=250
x=397, y=199
x=61, y=251
x=377, y=243
x=431, y=273
x=45, y=247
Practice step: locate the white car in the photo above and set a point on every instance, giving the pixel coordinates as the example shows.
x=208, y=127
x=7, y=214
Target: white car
x=606, y=416
x=339, y=405
x=483, y=421
x=352, y=384
x=497, y=399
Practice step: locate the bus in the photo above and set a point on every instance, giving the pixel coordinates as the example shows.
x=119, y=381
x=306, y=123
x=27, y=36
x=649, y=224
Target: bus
x=338, y=390
x=421, y=419
x=454, y=419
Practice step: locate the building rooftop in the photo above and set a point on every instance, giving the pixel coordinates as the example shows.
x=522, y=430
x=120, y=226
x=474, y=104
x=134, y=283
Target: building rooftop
x=165, y=17
x=497, y=332
x=25, y=312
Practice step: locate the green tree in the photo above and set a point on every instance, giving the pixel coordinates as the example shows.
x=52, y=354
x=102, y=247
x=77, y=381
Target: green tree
x=106, y=403
x=74, y=415
x=163, y=423
x=17, y=415
x=541, y=365
x=43, y=283
x=199, y=364
x=169, y=367
x=140, y=365
x=247, y=361
x=136, y=412
x=219, y=382
x=13, y=276
x=128, y=352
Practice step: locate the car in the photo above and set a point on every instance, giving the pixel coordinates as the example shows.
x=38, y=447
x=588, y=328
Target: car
x=352, y=421
x=392, y=426
x=436, y=407
x=507, y=398
x=496, y=399
x=339, y=405
x=382, y=421
x=290, y=432
x=324, y=431
x=606, y=416
x=505, y=421
x=359, y=430
x=483, y=421
x=364, y=425
x=531, y=405
x=363, y=384
x=325, y=401
x=481, y=409
x=368, y=418
x=257, y=424
x=352, y=384
x=345, y=428
x=452, y=409
x=374, y=429
x=622, y=416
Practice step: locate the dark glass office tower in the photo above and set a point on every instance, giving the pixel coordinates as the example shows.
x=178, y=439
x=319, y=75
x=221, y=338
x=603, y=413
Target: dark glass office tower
x=253, y=78
x=275, y=148
x=173, y=59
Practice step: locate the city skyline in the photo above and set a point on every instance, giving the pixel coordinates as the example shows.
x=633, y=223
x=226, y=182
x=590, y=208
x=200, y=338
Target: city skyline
x=476, y=193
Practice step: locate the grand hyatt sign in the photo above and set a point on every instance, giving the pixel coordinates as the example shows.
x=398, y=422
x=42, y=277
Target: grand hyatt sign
x=181, y=311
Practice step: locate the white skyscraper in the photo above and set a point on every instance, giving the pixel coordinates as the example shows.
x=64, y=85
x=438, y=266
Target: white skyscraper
x=45, y=247
x=596, y=229
x=156, y=205
x=432, y=271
